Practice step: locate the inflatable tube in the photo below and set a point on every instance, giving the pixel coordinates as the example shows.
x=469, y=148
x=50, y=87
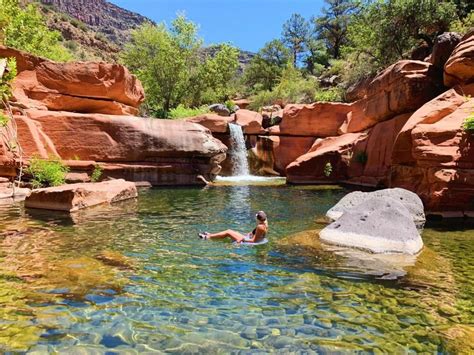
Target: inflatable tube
x=264, y=241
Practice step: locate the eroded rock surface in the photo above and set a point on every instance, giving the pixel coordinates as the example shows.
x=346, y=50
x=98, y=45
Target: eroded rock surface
x=83, y=113
x=74, y=197
x=459, y=68
x=408, y=199
x=88, y=87
x=378, y=224
x=315, y=120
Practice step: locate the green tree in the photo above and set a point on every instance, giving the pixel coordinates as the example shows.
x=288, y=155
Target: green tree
x=170, y=64
x=331, y=27
x=165, y=60
x=24, y=28
x=295, y=34
x=317, y=57
x=217, y=74
x=265, y=69
x=386, y=31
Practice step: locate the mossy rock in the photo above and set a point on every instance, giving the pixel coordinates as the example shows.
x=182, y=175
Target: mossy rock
x=80, y=276
x=459, y=339
x=307, y=239
x=113, y=258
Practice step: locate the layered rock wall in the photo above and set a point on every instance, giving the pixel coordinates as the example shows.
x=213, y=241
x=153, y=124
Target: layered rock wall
x=404, y=130
x=82, y=113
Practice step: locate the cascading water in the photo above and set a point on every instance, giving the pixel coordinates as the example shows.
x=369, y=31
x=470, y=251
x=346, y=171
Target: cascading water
x=238, y=151
x=240, y=166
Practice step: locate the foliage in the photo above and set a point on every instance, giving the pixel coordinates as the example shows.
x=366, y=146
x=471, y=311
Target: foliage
x=9, y=73
x=334, y=94
x=215, y=80
x=185, y=112
x=24, y=28
x=463, y=25
x=97, y=173
x=292, y=88
x=295, y=34
x=47, y=172
x=386, y=31
x=317, y=56
x=4, y=119
x=165, y=61
x=168, y=62
x=328, y=169
x=469, y=124
x=6, y=79
x=265, y=69
x=332, y=26
x=230, y=105
x=358, y=67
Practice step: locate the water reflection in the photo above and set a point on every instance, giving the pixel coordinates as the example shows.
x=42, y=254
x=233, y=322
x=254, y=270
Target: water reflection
x=134, y=277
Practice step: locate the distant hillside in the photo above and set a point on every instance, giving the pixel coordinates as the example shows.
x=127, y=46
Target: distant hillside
x=98, y=29
x=102, y=16
x=92, y=29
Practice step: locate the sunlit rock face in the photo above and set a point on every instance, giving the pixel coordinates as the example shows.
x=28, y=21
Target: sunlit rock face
x=84, y=112
x=459, y=69
x=408, y=199
x=74, y=197
x=379, y=225
x=87, y=87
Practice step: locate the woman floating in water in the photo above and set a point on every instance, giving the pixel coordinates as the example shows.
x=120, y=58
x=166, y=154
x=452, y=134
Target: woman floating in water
x=255, y=237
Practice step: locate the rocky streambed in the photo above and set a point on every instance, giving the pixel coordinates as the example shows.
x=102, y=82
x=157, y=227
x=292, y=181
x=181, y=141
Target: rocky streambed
x=134, y=277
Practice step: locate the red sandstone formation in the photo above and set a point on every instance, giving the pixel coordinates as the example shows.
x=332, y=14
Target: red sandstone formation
x=213, y=122
x=162, y=152
x=336, y=151
x=440, y=168
x=459, y=69
x=250, y=121
x=78, y=87
x=74, y=197
x=401, y=88
x=403, y=131
x=316, y=120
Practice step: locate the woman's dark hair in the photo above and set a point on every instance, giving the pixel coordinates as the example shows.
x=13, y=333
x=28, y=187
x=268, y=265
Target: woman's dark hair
x=261, y=216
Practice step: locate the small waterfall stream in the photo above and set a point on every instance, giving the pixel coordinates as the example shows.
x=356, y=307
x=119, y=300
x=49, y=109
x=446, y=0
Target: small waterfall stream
x=238, y=151
x=240, y=166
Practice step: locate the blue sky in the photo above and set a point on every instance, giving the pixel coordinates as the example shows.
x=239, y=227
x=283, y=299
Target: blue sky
x=247, y=24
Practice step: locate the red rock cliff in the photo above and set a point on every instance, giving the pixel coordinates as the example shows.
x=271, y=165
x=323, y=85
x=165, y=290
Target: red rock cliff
x=82, y=112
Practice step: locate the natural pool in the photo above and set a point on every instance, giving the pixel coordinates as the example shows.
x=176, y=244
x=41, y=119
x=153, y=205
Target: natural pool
x=134, y=277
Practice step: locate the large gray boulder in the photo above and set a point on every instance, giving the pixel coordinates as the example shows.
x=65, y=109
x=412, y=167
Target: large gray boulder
x=220, y=109
x=379, y=225
x=443, y=47
x=410, y=200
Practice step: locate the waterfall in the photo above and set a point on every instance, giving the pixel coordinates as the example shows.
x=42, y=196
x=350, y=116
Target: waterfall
x=238, y=151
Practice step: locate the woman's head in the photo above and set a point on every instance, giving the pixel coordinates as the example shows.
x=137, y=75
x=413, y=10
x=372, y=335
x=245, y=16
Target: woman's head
x=261, y=216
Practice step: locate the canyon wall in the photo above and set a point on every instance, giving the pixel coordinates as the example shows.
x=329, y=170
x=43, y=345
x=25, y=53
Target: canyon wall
x=85, y=114
x=404, y=130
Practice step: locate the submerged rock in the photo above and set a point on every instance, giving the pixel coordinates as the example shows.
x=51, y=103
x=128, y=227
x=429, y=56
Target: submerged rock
x=71, y=198
x=408, y=199
x=379, y=224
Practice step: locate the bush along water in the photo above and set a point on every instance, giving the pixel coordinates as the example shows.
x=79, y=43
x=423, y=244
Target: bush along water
x=47, y=172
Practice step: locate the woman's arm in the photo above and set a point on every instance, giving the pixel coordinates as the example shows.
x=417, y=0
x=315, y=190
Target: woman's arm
x=259, y=234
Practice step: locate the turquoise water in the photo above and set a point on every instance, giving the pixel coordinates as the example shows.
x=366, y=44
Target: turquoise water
x=134, y=277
